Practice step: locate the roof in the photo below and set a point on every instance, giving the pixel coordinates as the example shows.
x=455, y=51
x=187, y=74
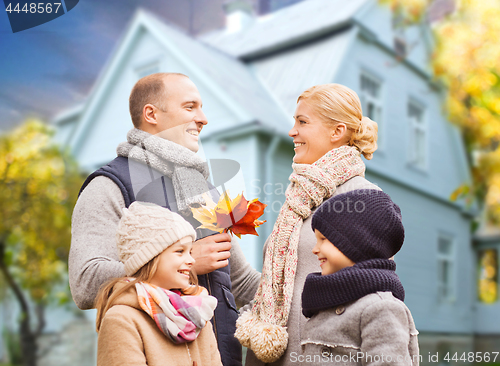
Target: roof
x=235, y=78
x=294, y=24
x=69, y=114
x=289, y=73
x=225, y=77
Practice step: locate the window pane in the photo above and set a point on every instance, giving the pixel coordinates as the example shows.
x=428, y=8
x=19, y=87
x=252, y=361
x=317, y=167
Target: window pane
x=370, y=112
x=443, y=272
x=445, y=268
x=444, y=246
x=488, y=276
x=415, y=112
x=420, y=158
x=370, y=86
x=418, y=135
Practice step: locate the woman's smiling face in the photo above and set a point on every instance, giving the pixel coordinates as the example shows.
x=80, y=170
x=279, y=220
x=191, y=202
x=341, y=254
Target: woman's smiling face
x=311, y=137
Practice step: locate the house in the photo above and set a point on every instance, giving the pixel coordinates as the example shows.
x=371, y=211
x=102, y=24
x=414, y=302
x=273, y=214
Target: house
x=250, y=75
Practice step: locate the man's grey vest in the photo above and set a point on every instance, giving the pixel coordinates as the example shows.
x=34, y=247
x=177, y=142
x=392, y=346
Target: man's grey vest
x=158, y=189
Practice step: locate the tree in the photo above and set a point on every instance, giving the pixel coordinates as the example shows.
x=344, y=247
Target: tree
x=38, y=189
x=466, y=61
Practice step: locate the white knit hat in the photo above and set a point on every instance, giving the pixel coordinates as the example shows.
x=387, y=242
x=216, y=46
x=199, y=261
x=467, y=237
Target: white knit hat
x=146, y=230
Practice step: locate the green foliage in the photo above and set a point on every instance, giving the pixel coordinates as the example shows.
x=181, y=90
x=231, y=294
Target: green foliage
x=38, y=189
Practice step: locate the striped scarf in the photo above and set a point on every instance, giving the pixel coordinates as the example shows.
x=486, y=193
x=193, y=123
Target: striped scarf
x=180, y=318
x=263, y=329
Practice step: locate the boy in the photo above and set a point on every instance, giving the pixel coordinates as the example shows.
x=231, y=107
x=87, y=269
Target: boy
x=355, y=305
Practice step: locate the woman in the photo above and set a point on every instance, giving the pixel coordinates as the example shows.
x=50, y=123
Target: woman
x=329, y=135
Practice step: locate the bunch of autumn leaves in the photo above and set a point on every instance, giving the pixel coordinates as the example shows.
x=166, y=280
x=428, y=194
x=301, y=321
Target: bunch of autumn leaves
x=237, y=216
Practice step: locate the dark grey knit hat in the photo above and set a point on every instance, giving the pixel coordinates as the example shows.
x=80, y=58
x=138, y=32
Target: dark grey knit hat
x=362, y=224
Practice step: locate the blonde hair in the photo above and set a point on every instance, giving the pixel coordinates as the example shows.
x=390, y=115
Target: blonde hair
x=335, y=103
x=107, y=296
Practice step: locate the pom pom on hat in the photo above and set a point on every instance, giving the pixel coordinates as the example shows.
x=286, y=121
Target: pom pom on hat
x=145, y=231
x=267, y=341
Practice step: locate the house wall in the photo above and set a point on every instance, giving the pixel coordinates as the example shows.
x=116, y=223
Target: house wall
x=379, y=20
x=244, y=150
x=446, y=166
x=264, y=175
x=425, y=219
x=276, y=167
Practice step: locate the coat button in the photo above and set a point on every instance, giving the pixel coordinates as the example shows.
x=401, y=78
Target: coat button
x=339, y=310
x=325, y=351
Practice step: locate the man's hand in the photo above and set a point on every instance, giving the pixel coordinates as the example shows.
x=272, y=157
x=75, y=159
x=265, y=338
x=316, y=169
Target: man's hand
x=211, y=253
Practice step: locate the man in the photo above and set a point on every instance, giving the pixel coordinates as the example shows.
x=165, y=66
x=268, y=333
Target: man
x=158, y=164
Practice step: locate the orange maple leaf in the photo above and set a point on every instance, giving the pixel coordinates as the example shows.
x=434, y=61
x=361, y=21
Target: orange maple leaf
x=237, y=216
x=249, y=222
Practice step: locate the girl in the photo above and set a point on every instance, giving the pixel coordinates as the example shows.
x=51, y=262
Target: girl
x=157, y=315
x=329, y=134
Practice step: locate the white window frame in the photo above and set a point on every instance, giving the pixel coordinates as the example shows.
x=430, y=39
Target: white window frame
x=375, y=101
x=419, y=151
x=446, y=289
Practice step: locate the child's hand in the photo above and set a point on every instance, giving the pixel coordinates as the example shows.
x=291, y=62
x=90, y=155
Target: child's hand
x=211, y=253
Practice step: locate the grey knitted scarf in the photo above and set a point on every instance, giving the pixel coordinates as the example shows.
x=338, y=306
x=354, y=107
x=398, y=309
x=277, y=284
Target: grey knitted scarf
x=188, y=172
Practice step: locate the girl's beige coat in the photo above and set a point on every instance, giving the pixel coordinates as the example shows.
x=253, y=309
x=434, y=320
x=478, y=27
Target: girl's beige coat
x=129, y=336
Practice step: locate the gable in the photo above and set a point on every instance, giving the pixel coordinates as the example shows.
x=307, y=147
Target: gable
x=231, y=93
x=230, y=79
x=287, y=74
x=109, y=121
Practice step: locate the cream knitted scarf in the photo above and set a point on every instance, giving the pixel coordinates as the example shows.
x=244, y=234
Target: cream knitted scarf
x=263, y=329
x=189, y=172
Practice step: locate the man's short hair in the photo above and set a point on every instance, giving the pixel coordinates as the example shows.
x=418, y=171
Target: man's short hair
x=150, y=89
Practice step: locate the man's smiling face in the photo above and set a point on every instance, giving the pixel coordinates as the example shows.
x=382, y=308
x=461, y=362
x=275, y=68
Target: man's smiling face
x=184, y=119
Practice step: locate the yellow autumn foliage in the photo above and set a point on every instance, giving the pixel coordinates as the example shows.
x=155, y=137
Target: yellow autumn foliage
x=38, y=189
x=466, y=60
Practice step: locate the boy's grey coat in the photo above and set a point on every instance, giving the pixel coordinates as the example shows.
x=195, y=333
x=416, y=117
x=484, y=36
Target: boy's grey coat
x=307, y=263
x=375, y=325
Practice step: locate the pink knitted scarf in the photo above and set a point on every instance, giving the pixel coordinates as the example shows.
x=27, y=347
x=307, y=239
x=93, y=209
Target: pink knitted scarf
x=263, y=329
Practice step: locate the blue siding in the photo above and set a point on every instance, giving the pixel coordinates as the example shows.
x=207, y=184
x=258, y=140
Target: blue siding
x=425, y=219
x=245, y=151
x=446, y=166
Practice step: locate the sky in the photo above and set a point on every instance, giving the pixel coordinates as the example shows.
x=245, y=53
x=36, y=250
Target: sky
x=52, y=67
